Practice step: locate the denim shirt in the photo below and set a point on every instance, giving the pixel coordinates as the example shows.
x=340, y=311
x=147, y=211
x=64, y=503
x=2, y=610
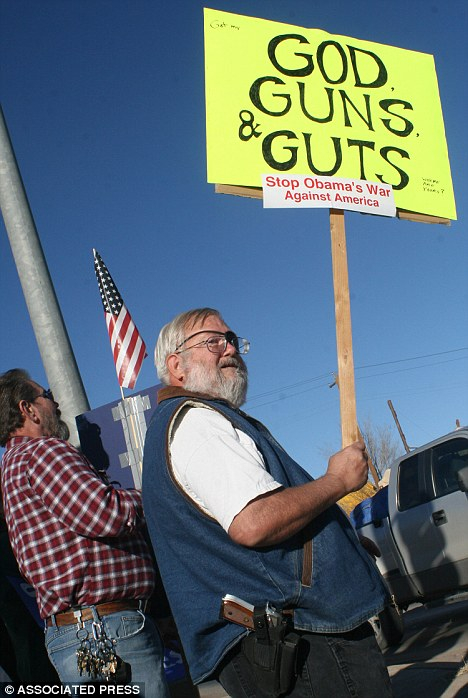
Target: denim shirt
x=322, y=572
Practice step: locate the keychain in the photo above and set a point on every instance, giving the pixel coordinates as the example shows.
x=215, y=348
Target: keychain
x=97, y=658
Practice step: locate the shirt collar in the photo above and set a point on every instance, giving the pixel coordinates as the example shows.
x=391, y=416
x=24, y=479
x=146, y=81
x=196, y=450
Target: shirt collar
x=171, y=391
x=16, y=441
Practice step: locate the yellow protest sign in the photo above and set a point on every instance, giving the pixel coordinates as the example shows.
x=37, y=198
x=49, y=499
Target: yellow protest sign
x=286, y=99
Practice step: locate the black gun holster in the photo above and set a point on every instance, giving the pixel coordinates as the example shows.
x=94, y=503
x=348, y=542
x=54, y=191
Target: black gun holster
x=272, y=653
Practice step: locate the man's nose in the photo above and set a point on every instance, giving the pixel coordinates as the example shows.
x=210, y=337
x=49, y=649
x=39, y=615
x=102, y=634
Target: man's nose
x=230, y=349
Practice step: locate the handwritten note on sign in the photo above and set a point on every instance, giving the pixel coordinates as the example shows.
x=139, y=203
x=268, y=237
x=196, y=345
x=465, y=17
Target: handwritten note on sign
x=282, y=99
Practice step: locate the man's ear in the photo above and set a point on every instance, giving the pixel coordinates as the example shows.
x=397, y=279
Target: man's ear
x=176, y=371
x=28, y=411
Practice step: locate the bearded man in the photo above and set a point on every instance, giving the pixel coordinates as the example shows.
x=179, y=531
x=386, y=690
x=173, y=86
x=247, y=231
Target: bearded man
x=80, y=543
x=229, y=512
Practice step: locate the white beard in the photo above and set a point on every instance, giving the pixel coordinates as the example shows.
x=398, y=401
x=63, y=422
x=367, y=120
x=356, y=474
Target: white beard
x=214, y=382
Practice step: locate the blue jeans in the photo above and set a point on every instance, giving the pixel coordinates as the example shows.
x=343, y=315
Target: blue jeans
x=342, y=665
x=137, y=642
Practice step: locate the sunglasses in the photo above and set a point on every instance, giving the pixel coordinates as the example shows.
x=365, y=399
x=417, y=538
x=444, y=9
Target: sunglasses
x=48, y=394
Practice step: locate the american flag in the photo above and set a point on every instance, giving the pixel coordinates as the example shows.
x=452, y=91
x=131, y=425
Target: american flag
x=127, y=346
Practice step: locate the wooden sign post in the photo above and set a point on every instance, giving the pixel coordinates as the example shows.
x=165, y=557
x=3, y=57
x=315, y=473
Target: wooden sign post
x=344, y=348
x=344, y=339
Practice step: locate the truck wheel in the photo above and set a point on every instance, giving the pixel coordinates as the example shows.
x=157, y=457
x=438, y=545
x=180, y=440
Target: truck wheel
x=388, y=627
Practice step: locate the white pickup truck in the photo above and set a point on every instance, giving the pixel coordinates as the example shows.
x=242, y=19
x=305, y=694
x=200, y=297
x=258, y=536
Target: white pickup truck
x=420, y=521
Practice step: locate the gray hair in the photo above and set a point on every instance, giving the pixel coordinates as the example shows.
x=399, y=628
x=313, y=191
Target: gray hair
x=173, y=334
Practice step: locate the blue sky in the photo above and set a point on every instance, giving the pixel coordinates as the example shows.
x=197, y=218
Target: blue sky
x=104, y=101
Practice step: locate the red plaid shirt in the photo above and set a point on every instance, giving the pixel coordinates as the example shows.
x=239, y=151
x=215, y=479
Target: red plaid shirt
x=78, y=541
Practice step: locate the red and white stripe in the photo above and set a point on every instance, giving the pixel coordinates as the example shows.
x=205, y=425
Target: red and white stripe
x=127, y=346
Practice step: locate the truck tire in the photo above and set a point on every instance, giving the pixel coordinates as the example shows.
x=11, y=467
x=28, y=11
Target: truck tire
x=388, y=627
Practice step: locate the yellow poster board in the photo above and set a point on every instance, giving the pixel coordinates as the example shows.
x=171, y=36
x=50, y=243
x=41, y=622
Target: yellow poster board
x=285, y=99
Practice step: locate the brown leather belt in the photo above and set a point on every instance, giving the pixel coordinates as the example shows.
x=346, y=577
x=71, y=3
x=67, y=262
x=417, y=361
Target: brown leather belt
x=103, y=609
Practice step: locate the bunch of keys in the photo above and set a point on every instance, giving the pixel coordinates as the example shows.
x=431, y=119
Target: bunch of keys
x=84, y=656
x=102, y=663
x=104, y=656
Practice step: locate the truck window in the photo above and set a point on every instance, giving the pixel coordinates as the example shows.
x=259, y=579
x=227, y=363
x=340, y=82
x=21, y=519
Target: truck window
x=446, y=460
x=410, y=486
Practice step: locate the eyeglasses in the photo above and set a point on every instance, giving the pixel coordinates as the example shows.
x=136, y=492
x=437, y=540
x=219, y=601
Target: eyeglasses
x=218, y=343
x=48, y=394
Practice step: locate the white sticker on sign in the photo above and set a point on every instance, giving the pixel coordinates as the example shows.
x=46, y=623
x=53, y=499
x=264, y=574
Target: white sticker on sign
x=309, y=191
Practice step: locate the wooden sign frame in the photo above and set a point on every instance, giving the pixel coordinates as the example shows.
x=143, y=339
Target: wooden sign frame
x=257, y=193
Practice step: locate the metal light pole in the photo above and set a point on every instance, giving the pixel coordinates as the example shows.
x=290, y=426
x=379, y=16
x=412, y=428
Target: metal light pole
x=51, y=334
